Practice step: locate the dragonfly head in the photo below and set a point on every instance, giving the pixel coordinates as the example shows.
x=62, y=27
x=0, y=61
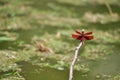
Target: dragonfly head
x=83, y=31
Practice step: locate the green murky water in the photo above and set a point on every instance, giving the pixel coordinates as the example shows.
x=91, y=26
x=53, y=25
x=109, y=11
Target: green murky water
x=34, y=72
x=98, y=69
x=110, y=66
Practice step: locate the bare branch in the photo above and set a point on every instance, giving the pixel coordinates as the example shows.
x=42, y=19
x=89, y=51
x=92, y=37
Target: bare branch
x=74, y=60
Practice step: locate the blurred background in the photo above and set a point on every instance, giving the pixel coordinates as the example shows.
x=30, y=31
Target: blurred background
x=36, y=42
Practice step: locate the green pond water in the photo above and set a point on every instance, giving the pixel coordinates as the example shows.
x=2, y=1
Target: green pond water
x=98, y=68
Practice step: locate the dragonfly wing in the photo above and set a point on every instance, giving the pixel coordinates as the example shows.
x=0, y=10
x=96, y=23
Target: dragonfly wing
x=88, y=37
x=78, y=32
x=88, y=33
x=76, y=36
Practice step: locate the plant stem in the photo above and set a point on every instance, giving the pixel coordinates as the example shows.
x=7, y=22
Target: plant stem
x=109, y=8
x=74, y=60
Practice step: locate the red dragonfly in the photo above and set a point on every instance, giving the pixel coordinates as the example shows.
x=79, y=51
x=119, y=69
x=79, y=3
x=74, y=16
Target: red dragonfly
x=82, y=36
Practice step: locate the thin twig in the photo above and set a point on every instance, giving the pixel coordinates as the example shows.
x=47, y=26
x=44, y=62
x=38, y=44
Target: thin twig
x=74, y=60
x=109, y=8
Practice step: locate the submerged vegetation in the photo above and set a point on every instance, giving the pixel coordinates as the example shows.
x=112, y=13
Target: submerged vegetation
x=38, y=32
